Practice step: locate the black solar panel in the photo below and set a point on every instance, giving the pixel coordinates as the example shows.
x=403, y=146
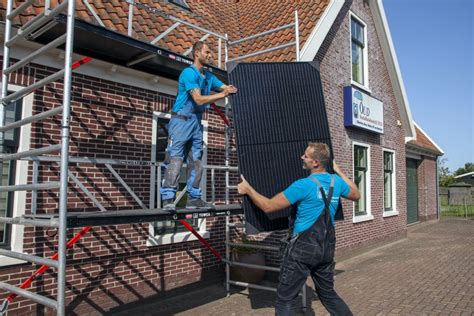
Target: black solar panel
x=279, y=109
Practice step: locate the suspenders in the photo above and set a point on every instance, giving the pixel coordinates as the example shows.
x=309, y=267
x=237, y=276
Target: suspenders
x=327, y=199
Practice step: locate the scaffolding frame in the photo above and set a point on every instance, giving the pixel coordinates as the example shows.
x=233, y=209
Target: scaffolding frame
x=32, y=29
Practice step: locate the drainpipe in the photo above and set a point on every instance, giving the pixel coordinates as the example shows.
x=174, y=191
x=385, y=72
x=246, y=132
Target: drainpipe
x=437, y=190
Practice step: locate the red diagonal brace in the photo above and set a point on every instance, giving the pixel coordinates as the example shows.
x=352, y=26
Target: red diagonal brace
x=69, y=244
x=220, y=113
x=44, y=267
x=202, y=240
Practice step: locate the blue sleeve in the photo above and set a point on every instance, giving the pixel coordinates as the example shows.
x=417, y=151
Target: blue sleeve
x=297, y=191
x=345, y=188
x=189, y=79
x=215, y=83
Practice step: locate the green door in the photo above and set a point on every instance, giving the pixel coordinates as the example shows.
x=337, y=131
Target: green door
x=412, y=191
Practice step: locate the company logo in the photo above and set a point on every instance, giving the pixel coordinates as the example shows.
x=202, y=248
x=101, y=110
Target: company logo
x=356, y=100
x=358, y=105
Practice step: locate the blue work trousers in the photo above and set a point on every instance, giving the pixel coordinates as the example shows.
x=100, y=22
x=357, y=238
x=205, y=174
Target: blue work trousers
x=185, y=141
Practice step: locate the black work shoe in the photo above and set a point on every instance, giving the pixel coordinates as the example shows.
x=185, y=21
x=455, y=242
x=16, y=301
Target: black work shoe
x=198, y=203
x=168, y=206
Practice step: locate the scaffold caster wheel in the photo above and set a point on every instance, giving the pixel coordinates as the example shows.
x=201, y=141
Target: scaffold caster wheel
x=303, y=310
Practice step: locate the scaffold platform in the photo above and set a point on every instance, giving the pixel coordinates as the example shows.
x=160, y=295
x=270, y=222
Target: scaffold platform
x=82, y=219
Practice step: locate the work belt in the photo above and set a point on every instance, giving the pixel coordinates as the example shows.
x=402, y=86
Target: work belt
x=180, y=116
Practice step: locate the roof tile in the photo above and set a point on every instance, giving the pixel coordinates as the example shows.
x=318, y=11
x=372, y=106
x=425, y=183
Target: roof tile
x=236, y=18
x=423, y=141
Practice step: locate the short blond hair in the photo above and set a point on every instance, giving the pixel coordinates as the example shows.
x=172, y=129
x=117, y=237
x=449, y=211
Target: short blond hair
x=198, y=46
x=321, y=153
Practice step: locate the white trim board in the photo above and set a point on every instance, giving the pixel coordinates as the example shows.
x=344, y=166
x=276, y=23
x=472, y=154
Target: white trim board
x=368, y=184
x=21, y=177
x=388, y=49
x=97, y=69
x=320, y=31
x=429, y=138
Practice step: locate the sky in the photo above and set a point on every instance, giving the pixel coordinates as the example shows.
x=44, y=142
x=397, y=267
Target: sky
x=434, y=43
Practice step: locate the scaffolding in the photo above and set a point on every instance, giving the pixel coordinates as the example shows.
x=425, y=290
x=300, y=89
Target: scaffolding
x=34, y=29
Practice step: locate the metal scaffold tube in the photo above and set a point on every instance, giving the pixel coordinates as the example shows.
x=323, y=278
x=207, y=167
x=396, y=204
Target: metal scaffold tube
x=226, y=130
x=61, y=295
x=6, y=63
x=64, y=159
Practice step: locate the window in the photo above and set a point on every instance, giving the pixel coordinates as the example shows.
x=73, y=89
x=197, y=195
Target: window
x=360, y=176
x=359, y=56
x=165, y=232
x=387, y=181
x=181, y=3
x=15, y=172
x=362, y=181
x=11, y=141
x=389, y=192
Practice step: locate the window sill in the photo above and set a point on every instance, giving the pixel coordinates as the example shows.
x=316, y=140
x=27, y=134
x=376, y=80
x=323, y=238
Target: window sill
x=7, y=261
x=390, y=213
x=362, y=87
x=175, y=238
x=362, y=218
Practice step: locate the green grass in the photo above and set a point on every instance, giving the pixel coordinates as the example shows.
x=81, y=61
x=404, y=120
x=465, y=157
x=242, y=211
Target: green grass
x=457, y=211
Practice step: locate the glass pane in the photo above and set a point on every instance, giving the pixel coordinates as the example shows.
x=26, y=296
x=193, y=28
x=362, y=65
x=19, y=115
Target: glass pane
x=387, y=186
x=10, y=114
x=171, y=227
x=360, y=154
x=360, y=182
x=357, y=31
x=4, y=199
x=357, y=63
x=387, y=161
x=162, y=139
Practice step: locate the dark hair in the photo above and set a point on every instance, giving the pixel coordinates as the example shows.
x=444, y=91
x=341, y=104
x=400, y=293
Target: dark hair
x=321, y=153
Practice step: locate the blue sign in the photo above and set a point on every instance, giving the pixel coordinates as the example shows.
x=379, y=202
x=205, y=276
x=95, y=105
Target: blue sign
x=362, y=111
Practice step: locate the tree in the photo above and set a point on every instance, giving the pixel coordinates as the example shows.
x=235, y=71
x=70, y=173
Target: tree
x=468, y=167
x=445, y=176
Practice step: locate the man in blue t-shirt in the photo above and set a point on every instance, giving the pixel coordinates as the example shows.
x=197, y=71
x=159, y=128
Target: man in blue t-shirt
x=185, y=128
x=309, y=248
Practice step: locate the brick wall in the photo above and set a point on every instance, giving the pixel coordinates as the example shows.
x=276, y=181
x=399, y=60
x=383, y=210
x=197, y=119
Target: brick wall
x=335, y=63
x=427, y=201
x=111, y=265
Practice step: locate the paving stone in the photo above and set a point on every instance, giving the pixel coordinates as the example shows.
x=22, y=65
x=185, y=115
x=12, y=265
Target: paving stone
x=428, y=273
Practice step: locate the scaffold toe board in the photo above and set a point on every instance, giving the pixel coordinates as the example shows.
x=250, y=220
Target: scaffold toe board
x=101, y=43
x=81, y=219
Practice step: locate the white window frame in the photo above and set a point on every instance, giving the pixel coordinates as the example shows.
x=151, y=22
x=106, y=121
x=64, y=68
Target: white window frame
x=21, y=177
x=172, y=238
x=394, y=210
x=365, y=85
x=368, y=203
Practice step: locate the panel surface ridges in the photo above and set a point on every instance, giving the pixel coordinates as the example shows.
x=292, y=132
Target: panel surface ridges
x=278, y=109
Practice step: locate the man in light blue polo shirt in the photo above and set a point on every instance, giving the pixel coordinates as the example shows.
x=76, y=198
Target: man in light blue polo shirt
x=309, y=248
x=185, y=130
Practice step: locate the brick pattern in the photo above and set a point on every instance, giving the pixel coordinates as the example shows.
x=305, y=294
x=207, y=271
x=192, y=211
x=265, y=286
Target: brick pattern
x=334, y=58
x=427, y=195
x=111, y=265
x=429, y=273
x=238, y=19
